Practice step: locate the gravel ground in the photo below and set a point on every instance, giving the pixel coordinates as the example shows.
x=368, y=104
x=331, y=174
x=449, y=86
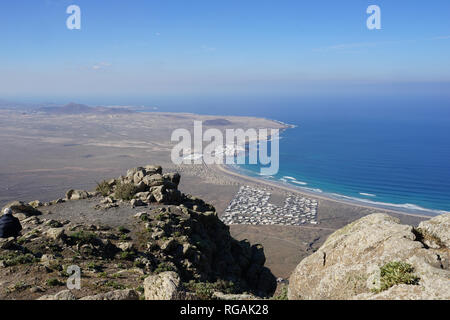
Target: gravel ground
x=82, y=211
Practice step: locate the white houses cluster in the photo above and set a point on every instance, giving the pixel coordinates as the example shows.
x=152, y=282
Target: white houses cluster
x=251, y=206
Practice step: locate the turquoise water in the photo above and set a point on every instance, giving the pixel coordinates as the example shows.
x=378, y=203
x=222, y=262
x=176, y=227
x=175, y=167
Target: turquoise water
x=393, y=152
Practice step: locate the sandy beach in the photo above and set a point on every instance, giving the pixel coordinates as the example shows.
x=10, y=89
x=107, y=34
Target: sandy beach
x=229, y=171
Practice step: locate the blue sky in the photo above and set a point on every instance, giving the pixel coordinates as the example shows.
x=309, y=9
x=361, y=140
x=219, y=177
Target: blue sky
x=245, y=47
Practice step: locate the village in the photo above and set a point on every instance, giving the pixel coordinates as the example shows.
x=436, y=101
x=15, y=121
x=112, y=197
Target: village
x=251, y=206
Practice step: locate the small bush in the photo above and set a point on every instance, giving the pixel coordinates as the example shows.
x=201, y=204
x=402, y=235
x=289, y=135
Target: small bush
x=122, y=229
x=53, y=282
x=13, y=259
x=127, y=255
x=140, y=289
x=125, y=191
x=205, y=290
x=83, y=237
x=283, y=295
x=115, y=285
x=104, y=188
x=21, y=285
x=394, y=273
x=124, y=237
x=163, y=267
x=93, y=266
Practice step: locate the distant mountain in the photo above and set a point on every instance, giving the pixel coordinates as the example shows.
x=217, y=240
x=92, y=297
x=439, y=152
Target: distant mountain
x=5, y=104
x=75, y=108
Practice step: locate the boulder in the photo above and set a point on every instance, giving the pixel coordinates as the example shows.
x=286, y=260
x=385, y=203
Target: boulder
x=154, y=180
x=77, y=194
x=167, y=196
x=141, y=215
x=348, y=265
x=138, y=176
x=150, y=169
x=55, y=233
x=57, y=201
x=132, y=172
x=125, y=246
x=436, y=232
x=173, y=178
x=48, y=260
x=142, y=195
x=141, y=187
x=137, y=203
x=163, y=286
x=36, y=204
x=126, y=294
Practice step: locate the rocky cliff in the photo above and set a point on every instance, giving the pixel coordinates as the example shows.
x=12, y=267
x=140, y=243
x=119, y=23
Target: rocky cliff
x=376, y=257
x=171, y=239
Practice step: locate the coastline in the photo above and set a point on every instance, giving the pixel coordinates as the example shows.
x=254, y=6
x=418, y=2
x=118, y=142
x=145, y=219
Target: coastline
x=229, y=171
x=340, y=198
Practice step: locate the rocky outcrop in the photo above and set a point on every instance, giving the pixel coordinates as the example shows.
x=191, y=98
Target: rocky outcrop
x=22, y=209
x=179, y=244
x=142, y=186
x=435, y=233
x=199, y=246
x=376, y=257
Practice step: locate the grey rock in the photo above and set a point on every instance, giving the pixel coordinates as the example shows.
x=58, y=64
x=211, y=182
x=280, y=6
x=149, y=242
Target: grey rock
x=163, y=286
x=77, y=194
x=348, y=264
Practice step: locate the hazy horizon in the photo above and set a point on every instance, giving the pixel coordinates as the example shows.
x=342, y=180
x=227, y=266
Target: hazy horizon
x=253, y=48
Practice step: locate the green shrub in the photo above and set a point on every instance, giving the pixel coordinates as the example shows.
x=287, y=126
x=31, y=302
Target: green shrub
x=163, y=267
x=140, y=289
x=125, y=191
x=12, y=259
x=128, y=255
x=83, y=237
x=124, y=237
x=93, y=266
x=394, y=273
x=283, y=295
x=53, y=282
x=21, y=285
x=205, y=290
x=115, y=285
x=104, y=188
x=122, y=229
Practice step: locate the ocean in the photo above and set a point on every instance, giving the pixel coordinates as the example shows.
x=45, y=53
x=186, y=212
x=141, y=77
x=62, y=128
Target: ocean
x=392, y=152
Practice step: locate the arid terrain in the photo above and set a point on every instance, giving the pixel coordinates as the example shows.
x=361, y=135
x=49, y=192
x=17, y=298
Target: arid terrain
x=44, y=154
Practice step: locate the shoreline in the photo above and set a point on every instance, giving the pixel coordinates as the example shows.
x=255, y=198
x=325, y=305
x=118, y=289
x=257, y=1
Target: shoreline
x=228, y=171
